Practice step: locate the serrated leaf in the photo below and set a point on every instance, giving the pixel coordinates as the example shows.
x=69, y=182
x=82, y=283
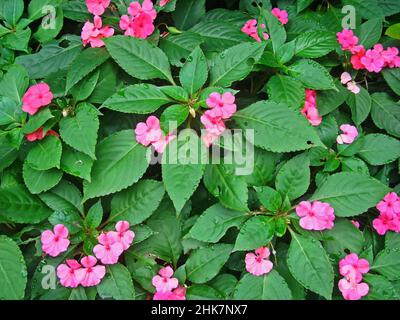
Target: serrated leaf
x=255, y=233
x=76, y=163
x=10, y=112
x=194, y=72
x=386, y=113
x=117, y=284
x=387, y=263
x=187, y=13
x=94, y=216
x=173, y=116
x=36, y=121
x=311, y=74
x=315, y=44
x=378, y=149
x=287, y=90
x=360, y=105
x=14, y=83
x=40, y=181
x=370, y=32
x=46, y=154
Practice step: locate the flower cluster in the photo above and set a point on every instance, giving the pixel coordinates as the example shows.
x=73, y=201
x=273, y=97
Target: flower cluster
x=140, y=21
x=349, y=134
x=250, y=28
x=111, y=245
x=310, y=108
x=257, y=263
x=346, y=78
x=222, y=107
x=373, y=60
x=389, y=214
x=167, y=287
x=150, y=133
x=352, y=269
x=315, y=215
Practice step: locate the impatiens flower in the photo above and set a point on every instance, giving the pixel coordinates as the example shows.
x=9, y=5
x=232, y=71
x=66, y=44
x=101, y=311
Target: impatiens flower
x=91, y=275
x=221, y=105
x=349, y=134
x=161, y=144
x=258, y=263
x=97, y=7
x=123, y=234
x=176, y=294
x=316, y=215
x=310, y=108
x=281, y=15
x=356, y=58
x=347, y=39
x=390, y=204
x=352, y=290
x=163, y=282
x=250, y=28
x=93, y=33
x=353, y=87
x=149, y=132
x=345, y=77
x=209, y=138
x=386, y=222
x=36, y=97
x=68, y=275
x=353, y=267
x=391, y=57
x=164, y=2
x=135, y=9
x=213, y=125
x=373, y=60
x=53, y=243
x=356, y=223
x=140, y=22
x=109, y=249
x=38, y=134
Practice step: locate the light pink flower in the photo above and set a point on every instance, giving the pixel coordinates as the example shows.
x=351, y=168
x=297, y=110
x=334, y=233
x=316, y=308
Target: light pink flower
x=356, y=223
x=209, y=138
x=38, y=134
x=36, y=97
x=353, y=87
x=53, y=243
x=68, y=275
x=176, y=294
x=345, y=77
x=391, y=57
x=123, y=234
x=349, y=134
x=347, y=39
x=149, y=132
x=316, y=215
x=163, y=2
x=221, y=105
x=213, y=125
x=93, y=33
x=281, y=15
x=310, y=110
x=373, y=60
x=97, y=7
x=352, y=290
x=109, y=249
x=258, y=263
x=135, y=9
x=386, y=222
x=390, y=204
x=250, y=28
x=163, y=282
x=91, y=275
x=353, y=268
x=161, y=144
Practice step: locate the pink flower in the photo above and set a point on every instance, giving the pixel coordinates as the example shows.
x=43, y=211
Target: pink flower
x=91, y=275
x=38, y=134
x=373, y=60
x=258, y=263
x=347, y=39
x=36, y=97
x=358, y=53
x=209, y=139
x=135, y=9
x=213, y=125
x=316, y=215
x=353, y=87
x=93, y=33
x=123, y=234
x=68, y=275
x=161, y=144
x=349, y=134
x=109, y=249
x=390, y=204
x=310, y=108
x=53, y=243
x=281, y=15
x=176, y=294
x=390, y=55
x=149, y=132
x=221, y=105
x=353, y=268
x=356, y=223
x=250, y=28
x=386, y=222
x=345, y=77
x=163, y=2
x=139, y=27
x=164, y=281
x=352, y=290
x=97, y=7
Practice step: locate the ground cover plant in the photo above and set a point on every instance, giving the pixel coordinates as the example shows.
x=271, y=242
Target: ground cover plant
x=199, y=149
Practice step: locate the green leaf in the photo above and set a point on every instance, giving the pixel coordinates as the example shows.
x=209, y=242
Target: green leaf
x=49, y=28
x=14, y=83
x=350, y=193
x=286, y=90
x=10, y=112
x=360, y=105
x=39, y=181
x=36, y=121
x=46, y=154
x=94, y=216
x=235, y=63
x=276, y=30
x=181, y=169
x=380, y=288
x=329, y=100
x=106, y=84
x=138, y=202
x=117, y=284
x=17, y=40
x=205, y=263
x=138, y=98
x=371, y=32
x=139, y=58
x=113, y=170
x=36, y=8
x=393, y=31
x=392, y=77
x=256, y=232
x=387, y=263
x=87, y=61
x=311, y=74
x=84, y=88
x=315, y=44
x=386, y=113
x=194, y=72
x=177, y=114
x=188, y=12
x=11, y=10
x=264, y=168
x=269, y=198
x=309, y=264
x=18, y=205
x=293, y=178
x=222, y=183
x=213, y=223
x=378, y=149
x=13, y=275
x=267, y=287
x=176, y=93
x=277, y=128
x=80, y=130
x=203, y=292
x=76, y=163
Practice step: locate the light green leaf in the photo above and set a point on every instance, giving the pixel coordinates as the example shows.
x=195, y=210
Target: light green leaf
x=76, y=163
x=14, y=83
x=117, y=284
x=39, y=181
x=378, y=149
x=312, y=74
x=194, y=72
x=371, y=32
x=315, y=44
x=360, y=105
x=10, y=112
x=46, y=154
x=287, y=90
x=387, y=263
x=256, y=232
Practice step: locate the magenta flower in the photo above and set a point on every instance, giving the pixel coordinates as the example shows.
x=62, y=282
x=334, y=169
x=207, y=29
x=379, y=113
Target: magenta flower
x=149, y=132
x=347, y=39
x=164, y=2
x=213, y=125
x=164, y=281
x=221, y=105
x=123, y=235
x=109, y=248
x=36, y=97
x=97, y=7
x=391, y=57
x=353, y=268
x=68, y=275
x=316, y=215
x=250, y=28
x=176, y=294
x=53, y=243
x=281, y=15
x=390, y=204
x=258, y=263
x=140, y=22
x=389, y=214
x=349, y=134
x=310, y=110
x=38, y=135
x=352, y=290
x=93, y=33
x=90, y=275
x=373, y=60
